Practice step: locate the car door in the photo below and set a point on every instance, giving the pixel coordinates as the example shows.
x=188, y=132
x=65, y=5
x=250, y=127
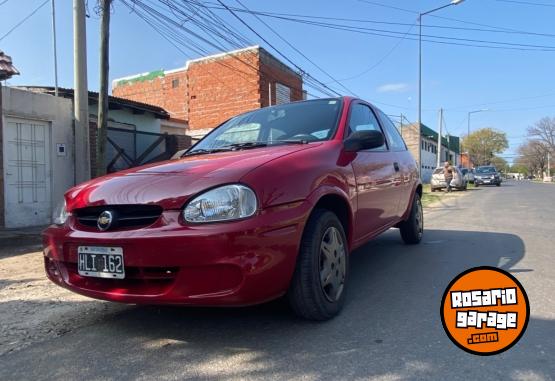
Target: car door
x=375, y=176
x=408, y=171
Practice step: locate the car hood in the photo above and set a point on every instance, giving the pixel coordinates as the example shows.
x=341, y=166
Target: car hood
x=170, y=183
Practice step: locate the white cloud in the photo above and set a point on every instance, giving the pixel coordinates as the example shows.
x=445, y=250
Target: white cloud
x=393, y=88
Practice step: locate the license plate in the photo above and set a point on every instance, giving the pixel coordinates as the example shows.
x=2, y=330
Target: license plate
x=100, y=262
x=486, y=181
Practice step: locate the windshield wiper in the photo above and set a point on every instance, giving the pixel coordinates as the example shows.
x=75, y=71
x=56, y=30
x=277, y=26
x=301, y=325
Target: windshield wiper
x=291, y=141
x=245, y=145
x=203, y=151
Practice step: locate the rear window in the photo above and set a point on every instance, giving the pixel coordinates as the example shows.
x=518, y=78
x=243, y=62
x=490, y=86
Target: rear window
x=437, y=171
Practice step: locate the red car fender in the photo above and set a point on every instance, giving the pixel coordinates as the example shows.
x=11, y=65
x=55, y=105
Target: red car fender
x=326, y=190
x=417, y=188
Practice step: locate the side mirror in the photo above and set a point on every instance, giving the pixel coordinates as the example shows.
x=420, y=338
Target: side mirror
x=362, y=140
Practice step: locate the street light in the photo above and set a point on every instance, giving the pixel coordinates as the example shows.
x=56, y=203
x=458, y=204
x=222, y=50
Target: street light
x=453, y=2
x=474, y=112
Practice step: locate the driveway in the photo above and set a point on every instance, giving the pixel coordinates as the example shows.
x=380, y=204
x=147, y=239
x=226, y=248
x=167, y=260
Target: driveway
x=390, y=328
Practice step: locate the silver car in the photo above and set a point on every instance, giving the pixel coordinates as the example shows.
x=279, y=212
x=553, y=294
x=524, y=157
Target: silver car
x=468, y=175
x=438, y=180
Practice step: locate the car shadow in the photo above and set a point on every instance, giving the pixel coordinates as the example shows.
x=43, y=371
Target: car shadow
x=390, y=328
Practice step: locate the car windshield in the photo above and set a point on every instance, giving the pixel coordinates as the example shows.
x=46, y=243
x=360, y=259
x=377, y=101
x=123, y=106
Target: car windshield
x=309, y=121
x=437, y=171
x=485, y=170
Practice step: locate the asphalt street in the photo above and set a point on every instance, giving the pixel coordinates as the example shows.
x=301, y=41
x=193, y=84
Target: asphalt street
x=390, y=328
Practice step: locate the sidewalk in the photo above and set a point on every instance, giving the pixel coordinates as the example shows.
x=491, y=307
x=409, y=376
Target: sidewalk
x=22, y=236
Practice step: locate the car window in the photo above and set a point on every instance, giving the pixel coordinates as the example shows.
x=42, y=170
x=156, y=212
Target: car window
x=485, y=170
x=437, y=171
x=362, y=118
x=396, y=142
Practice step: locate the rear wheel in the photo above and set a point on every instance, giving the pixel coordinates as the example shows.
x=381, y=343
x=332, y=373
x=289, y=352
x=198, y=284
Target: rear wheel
x=412, y=229
x=317, y=290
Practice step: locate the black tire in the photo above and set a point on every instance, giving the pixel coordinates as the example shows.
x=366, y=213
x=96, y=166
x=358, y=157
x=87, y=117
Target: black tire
x=433, y=190
x=307, y=295
x=498, y=184
x=476, y=185
x=412, y=229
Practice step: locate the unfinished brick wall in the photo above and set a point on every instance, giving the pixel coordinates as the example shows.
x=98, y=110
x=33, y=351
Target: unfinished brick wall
x=273, y=71
x=164, y=89
x=222, y=87
x=213, y=89
x=412, y=139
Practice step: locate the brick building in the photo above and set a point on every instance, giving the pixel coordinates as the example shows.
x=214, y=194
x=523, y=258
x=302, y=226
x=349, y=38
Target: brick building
x=209, y=90
x=450, y=148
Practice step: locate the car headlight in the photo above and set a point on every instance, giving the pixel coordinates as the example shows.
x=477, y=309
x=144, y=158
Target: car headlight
x=226, y=203
x=60, y=214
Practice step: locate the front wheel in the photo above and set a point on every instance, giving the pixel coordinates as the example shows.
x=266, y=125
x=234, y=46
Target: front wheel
x=317, y=290
x=412, y=229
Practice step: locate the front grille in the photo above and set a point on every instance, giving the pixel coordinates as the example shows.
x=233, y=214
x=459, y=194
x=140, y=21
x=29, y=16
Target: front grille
x=125, y=216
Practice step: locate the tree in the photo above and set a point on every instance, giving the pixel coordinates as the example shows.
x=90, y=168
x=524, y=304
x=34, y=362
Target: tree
x=482, y=145
x=544, y=131
x=533, y=155
x=520, y=167
x=499, y=163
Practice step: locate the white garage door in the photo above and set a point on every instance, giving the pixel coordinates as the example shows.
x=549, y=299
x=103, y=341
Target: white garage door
x=26, y=173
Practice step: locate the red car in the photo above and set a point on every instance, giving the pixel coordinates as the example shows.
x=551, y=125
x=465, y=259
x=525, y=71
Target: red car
x=268, y=204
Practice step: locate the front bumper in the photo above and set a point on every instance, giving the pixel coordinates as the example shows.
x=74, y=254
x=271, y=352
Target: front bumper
x=490, y=181
x=234, y=263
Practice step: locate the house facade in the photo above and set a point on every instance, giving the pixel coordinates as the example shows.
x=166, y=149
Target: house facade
x=209, y=90
x=37, y=147
x=427, y=142
x=38, y=163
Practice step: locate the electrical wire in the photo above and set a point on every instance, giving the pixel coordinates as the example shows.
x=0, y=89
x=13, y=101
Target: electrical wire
x=277, y=50
x=166, y=27
x=24, y=19
x=527, y=3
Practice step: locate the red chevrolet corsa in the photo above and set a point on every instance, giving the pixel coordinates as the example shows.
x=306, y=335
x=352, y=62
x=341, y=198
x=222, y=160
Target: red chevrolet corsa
x=270, y=203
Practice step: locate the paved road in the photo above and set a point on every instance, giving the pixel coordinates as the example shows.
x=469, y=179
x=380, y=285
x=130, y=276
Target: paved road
x=390, y=328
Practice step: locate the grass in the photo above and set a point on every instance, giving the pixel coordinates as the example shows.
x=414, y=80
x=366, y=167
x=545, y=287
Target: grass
x=428, y=197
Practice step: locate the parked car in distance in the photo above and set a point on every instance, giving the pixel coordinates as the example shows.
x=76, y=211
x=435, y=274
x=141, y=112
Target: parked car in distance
x=438, y=180
x=487, y=175
x=468, y=175
x=270, y=203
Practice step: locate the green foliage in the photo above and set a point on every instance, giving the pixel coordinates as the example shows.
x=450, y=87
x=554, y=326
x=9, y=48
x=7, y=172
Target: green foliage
x=482, y=145
x=499, y=163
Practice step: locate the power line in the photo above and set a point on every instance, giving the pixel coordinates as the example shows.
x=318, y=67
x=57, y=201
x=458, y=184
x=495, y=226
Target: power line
x=428, y=38
x=527, y=3
x=490, y=29
x=441, y=17
x=157, y=20
x=296, y=50
x=383, y=58
x=277, y=50
x=24, y=19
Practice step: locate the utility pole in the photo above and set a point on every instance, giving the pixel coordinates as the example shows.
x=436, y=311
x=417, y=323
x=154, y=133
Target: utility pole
x=103, y=93
x=401, y=125
x=440, y=128
x=54, y=47
x=81, y=94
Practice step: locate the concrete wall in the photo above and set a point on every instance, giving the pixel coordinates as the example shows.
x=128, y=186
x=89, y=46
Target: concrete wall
x=58, y=112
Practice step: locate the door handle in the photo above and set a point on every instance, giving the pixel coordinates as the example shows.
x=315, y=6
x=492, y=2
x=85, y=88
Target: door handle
x=396, y=166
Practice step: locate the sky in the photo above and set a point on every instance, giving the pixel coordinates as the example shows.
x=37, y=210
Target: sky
x=515, y=86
